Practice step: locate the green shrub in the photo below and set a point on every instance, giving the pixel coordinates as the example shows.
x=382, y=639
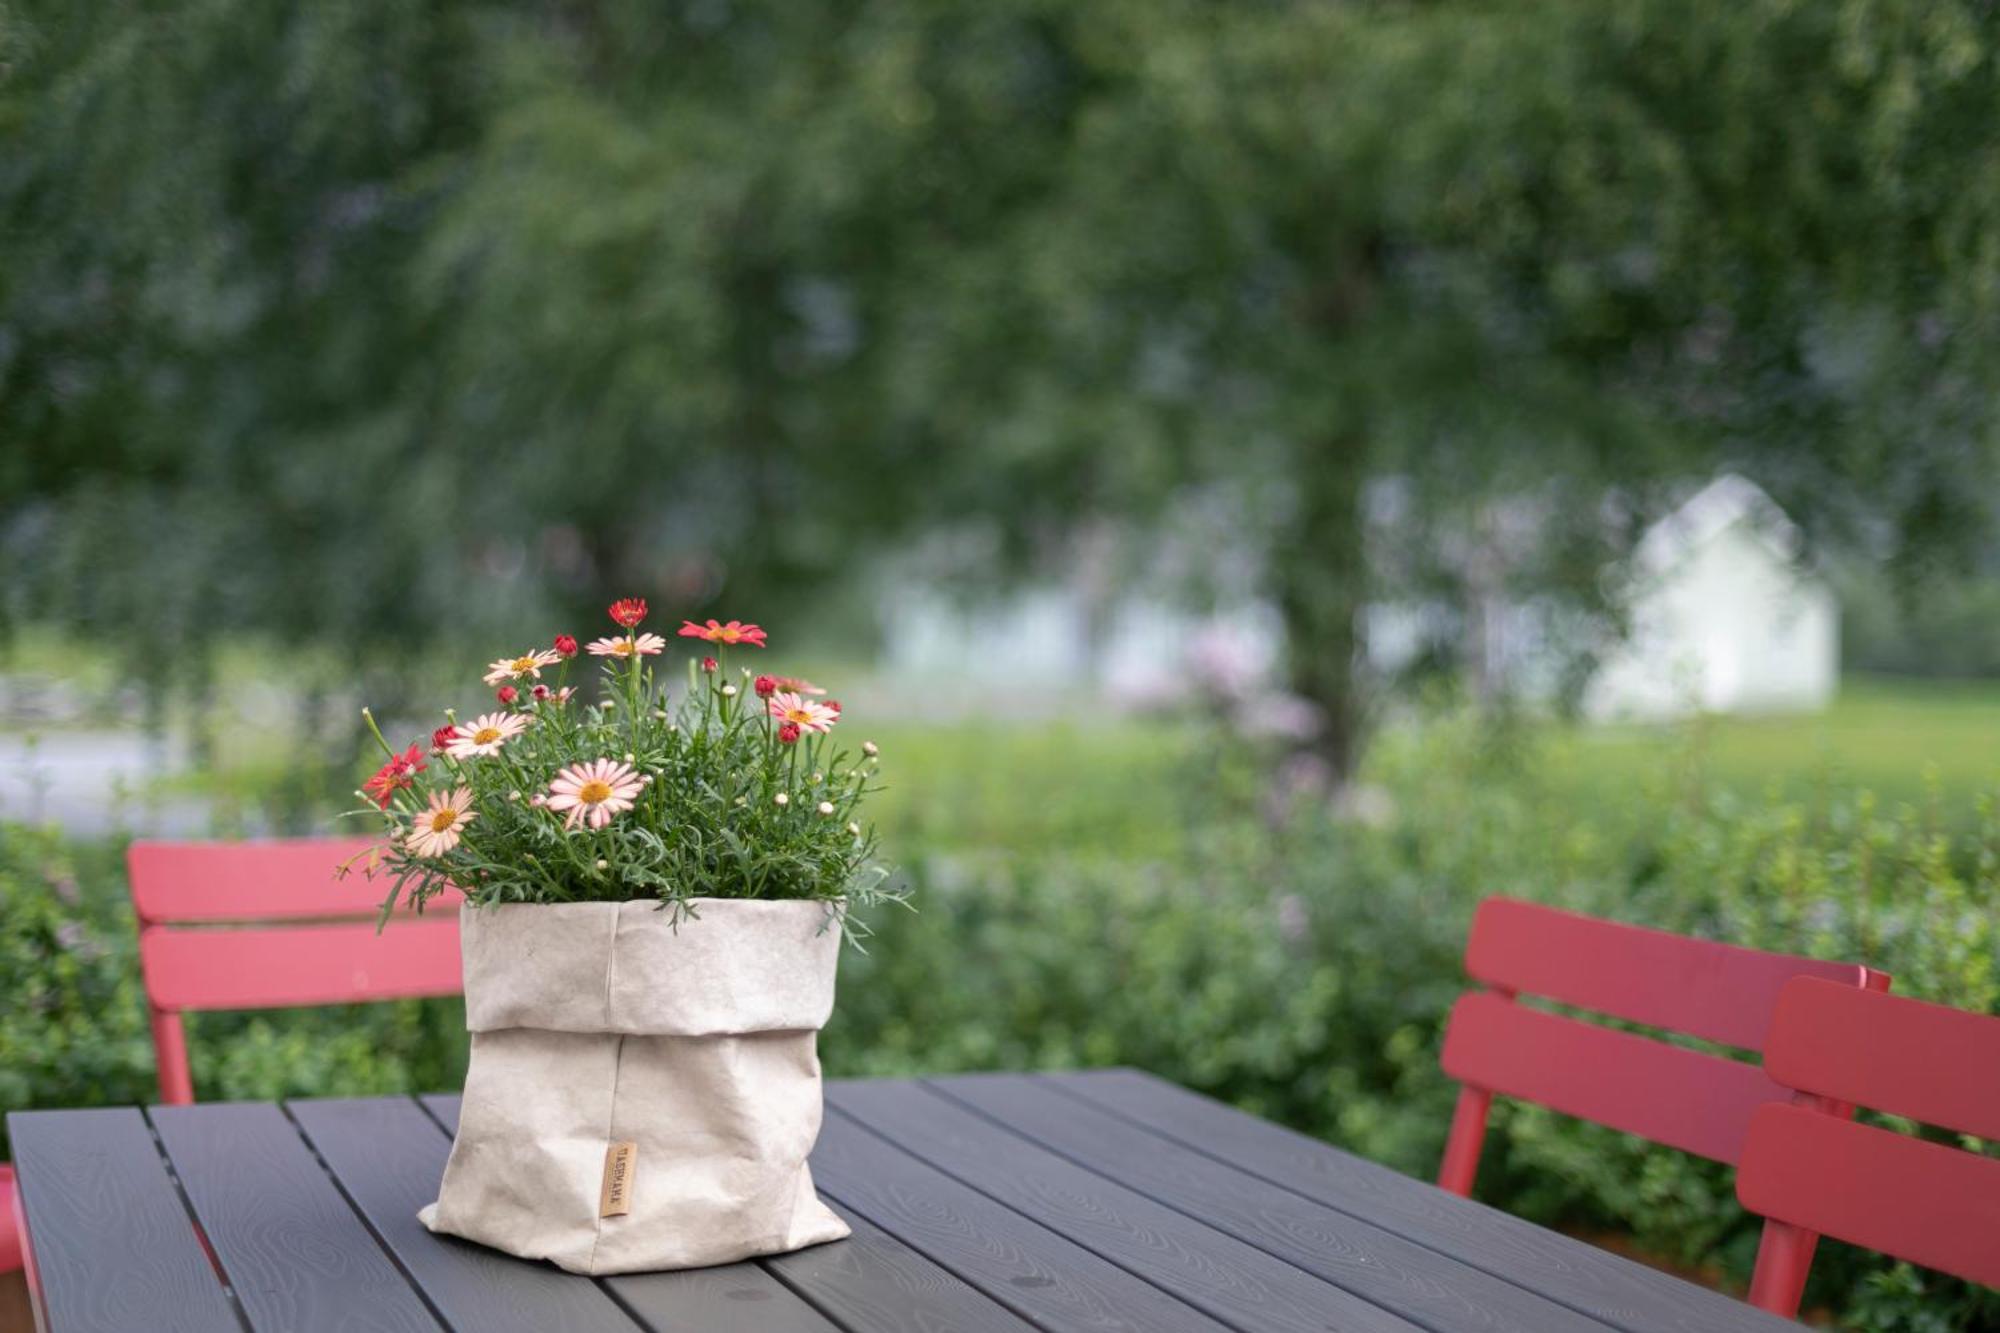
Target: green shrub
x=73, y=1026
x=1299, y=966
x=1302, y=969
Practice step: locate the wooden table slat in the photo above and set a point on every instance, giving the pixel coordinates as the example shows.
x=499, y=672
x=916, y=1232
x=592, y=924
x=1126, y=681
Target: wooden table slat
x=1236, y=1283
x=874, y=1282
x=113, y=1246
x=293, y=1250
x=1421, y=1284
x=389, y=1156
x=1614, y=1289
x=717, y=1300
x=1011, y=1258
x=1095, y=1202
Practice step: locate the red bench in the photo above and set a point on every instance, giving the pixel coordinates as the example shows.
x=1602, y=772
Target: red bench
x=1810, y=1171
x=270, y=925
x=1692, y=1100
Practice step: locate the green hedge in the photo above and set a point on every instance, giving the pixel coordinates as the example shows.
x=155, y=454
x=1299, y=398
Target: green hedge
x=1297, y=966
x=73, y=1016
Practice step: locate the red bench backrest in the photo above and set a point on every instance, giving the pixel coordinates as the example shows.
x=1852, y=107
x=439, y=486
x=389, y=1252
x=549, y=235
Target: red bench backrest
x=1687, y=1099
x=269, y=925
x=1807, y=1170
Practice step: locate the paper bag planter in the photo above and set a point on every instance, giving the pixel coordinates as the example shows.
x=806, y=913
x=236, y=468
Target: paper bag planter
x=642, y=1094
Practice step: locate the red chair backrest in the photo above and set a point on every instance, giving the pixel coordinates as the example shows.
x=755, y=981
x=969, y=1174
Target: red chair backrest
x=268, y=925
x=1684, y=1098
x=1926, y=1202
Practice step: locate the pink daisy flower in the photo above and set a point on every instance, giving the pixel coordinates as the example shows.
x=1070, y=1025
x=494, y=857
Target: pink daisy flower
x=594, y=792
x=800, y=711
x=437, y=827
x=485, y=734
x=527, y=664
x=629, y=645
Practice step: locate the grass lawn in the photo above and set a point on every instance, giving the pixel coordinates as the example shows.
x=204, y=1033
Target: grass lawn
x=1904, y=740
x=1123, y=785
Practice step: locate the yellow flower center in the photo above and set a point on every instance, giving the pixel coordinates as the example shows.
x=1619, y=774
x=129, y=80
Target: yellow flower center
x=622, y=647
x=523, y=665
x=486, y=735
x=442, y=820
x=594, y=792
x=798, y=715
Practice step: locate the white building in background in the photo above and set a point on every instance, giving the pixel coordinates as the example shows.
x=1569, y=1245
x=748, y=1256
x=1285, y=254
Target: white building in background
x=1723, y=617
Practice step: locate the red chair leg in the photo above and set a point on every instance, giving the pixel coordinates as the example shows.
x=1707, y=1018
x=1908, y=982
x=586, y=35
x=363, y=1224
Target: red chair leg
x=1784, y=1260
x=1467, y=1138
x=170, y=1053
x=10, y=1226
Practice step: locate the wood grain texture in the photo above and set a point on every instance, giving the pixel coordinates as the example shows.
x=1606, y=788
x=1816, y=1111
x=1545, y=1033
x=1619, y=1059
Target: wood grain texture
x=388, y=1157
x=114, y=1249
x=735, y=1298
x=1421, y=1284
x=873, y=1283
x=1016, y=1261
x=1614, y=1290
x=869, y=1281
x=1235, y=1283
x=295, y=1253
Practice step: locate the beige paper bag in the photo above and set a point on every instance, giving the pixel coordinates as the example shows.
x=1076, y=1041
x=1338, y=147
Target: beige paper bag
x=641, y=1096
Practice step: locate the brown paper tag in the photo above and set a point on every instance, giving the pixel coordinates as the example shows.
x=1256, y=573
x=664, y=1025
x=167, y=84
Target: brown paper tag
x=619, y=1161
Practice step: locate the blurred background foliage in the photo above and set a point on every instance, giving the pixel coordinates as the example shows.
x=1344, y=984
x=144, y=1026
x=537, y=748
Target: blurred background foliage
x=334, y=338
x=354, y=321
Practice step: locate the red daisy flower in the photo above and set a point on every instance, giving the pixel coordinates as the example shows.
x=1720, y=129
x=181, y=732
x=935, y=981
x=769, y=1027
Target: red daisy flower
x=716, y=632
x=506, y=694
x=766, y=686
x=629, y=611
x=787, y=732
x=566, y=645
x=709, y=664
x=395, y=775
x=442, y=737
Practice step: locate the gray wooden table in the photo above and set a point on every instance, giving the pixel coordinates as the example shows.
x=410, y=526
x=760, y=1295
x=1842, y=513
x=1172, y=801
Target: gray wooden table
x=1096, y=1201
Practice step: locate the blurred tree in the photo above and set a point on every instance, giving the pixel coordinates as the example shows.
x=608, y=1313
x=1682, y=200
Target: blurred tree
x=353, y=321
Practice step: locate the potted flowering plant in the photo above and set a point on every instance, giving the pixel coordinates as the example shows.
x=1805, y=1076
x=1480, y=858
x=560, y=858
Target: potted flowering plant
x=654, y=884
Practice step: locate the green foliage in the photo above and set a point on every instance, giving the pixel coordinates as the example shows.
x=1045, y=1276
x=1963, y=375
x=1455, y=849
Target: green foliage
x=1298, y=966
x=73, y=1015
x=639, y=795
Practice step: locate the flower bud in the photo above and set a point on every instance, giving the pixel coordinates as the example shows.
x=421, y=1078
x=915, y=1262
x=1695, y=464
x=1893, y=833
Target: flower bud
x=870, y=748
x=782, y=799
x=729, y=691
x=826, y=807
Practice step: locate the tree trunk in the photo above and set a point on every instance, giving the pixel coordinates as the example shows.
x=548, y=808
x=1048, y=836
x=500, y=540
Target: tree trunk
x=1321, y=575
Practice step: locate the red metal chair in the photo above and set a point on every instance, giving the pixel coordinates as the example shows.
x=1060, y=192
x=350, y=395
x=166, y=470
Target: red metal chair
x=1687, y=1099
x=268, y=925
x=10, y=1222
x=1811, y=1171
